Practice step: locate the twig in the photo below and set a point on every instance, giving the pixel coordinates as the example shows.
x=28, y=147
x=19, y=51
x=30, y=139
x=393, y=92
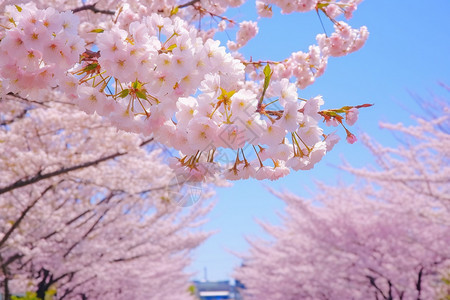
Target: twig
x=192, y=2
x=38, y=177
x=95, y=10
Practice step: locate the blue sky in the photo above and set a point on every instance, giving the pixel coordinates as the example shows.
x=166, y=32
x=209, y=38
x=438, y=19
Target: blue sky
x=407, y=52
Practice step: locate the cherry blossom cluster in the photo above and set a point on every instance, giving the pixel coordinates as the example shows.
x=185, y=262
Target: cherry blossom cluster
x=343, y=41
x=38, y=49
x=305, y=67
x=226, y=114
x=154, y=73
x=331, y=8
x=144, y=74
x=247, y=31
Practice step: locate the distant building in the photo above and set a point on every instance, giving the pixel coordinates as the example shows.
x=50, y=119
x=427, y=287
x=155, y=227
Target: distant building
x=217, y=290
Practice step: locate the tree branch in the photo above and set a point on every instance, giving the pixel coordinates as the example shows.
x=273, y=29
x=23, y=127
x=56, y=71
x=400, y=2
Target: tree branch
x=192, y=2
x=372, y=282
x=419, y=283
x=22, y=215
x=94, y=9
x=17, y=96
x=86, y=234
x=38, y=177
x=68, y=291
x=390, y=290
x=5, y=280
x=48, y=280
x=19, y=116
x=12, y=259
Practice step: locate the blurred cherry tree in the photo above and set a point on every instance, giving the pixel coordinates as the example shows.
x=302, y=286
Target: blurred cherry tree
x=86, y=209
x=387, y=236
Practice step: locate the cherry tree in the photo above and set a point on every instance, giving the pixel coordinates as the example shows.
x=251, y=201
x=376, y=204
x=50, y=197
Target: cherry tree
x=150, y=67
x=384, y=237
x=88, y=210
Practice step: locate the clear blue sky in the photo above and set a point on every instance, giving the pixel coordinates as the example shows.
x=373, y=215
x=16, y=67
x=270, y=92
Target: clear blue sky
x=407, y=52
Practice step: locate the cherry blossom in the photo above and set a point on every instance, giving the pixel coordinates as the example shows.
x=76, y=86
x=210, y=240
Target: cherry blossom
x=150, y=68
x=351, y=116
x=247, y=31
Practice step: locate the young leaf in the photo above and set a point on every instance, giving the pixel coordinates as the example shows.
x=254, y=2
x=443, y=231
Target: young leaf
x=267, y=75
x=136, y=85
x=90, y=67
x=124, y=93
x=171, y=47
x=141, y=94
x=174, y=11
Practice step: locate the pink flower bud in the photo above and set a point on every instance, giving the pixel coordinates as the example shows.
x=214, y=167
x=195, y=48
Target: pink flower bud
x=351, y=138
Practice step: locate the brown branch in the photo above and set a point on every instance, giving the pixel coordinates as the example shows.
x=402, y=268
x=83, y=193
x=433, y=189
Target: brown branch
x=126, y=259
x=19, y=116
x=48, y=280
x=146, y=142
x=5, y=280
x=68, y=291
x=22, y=215
x=78, y=217
x=38, y=177
x=67, y=224
x=192, y=2
x=419, y=284
x=373, y=283
x=12, y=259
x=94, y=9
x=17, y=96
x=86, y=234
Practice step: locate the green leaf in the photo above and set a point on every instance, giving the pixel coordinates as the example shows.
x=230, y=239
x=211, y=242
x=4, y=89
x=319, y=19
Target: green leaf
x=12, y=21
x=191, y=289
x=171, y=47
x=50, y=293
x=98, y=30
x=18, y=8
x=136, y=85
x=124, y=93
x=28, y=296
x=174, y=11
x=141, y=95
x=267, y=75
x=226, y=96
x=91, y=67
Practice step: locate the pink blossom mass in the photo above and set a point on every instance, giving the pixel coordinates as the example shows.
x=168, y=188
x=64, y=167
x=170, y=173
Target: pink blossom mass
x=136, y=62
x=386, y=236
x=114, y=114
x=124, y=124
